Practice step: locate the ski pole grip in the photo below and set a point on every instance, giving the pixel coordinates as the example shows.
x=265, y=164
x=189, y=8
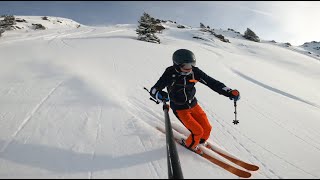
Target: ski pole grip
x=146, y=89
x=152, y=99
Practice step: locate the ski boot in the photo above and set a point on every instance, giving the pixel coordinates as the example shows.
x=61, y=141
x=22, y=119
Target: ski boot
x=196, y=149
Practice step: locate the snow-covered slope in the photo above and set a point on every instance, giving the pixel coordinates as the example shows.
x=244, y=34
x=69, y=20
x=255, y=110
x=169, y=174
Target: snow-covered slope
x=72, y=104
x=25, y=22
x=312, y=47
x=24, y=28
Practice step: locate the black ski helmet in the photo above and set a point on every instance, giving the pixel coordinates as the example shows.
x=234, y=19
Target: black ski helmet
x=181, y=56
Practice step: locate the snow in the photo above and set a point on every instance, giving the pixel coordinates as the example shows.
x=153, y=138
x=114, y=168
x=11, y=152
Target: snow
x=72, y=104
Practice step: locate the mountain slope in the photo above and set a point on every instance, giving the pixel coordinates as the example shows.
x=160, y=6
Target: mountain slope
x=73, y=105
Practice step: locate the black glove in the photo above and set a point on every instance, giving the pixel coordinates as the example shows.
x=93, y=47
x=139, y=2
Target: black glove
x=234, y=94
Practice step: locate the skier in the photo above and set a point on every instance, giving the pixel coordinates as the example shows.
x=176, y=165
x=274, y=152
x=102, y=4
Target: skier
x=180, y=80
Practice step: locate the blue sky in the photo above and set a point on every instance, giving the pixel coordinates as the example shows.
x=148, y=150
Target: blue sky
x=285, y=21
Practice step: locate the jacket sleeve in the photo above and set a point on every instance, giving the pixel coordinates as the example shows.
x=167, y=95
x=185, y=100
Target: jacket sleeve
x=212, y=83
x=163, y=82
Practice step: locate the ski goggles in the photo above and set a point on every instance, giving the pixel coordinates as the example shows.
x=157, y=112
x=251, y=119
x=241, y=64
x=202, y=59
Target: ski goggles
x=187, y=66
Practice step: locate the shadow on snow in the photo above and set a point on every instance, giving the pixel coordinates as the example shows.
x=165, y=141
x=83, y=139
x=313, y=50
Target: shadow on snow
x=64, y=160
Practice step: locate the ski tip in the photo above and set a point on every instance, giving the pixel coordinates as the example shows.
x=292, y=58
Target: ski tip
x=255, y=168
x=247, y=175
x=244, y=174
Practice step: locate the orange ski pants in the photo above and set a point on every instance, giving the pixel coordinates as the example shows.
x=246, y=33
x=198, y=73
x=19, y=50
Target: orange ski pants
x=196, y=121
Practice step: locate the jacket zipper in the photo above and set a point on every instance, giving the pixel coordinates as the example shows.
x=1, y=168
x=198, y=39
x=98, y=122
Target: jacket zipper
x=184, y=91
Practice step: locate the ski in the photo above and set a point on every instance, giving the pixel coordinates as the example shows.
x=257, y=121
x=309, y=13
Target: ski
x=239, y=162
x=228, y=167
x=219, y=151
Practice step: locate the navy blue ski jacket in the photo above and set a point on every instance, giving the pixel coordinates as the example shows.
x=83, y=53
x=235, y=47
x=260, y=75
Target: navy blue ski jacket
x=181, y=88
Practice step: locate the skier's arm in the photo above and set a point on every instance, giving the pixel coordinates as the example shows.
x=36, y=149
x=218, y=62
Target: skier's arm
x=161, y=83
x=212, y=83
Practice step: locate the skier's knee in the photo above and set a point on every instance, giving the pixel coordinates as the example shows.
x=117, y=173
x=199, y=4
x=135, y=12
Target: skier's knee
x=209, y=128
x=201, y=131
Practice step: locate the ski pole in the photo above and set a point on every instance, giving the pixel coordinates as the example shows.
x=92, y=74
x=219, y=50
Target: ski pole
x=152, y=99
x=235, y=121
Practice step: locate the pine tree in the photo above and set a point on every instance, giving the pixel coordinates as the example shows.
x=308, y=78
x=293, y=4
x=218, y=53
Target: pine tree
x=146, y=29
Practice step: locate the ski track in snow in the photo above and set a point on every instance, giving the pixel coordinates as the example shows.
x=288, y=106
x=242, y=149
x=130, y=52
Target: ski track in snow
x=268, y=116
x=223, y=148
x=114, y=65
x=217, y=117
x=33, y=36
x=227, y=132
x=262, y=84
x=66, y=33
x=48, y=37
x=136, y=109
x=76, y=35
x=217, y=54
x=94, y=35
x=151, y=165
x=273, y=89
x=62, y=36
x=26, y=38
x=29, y=117
x=141, y=112
x=219, y=120
x=140, y=107
x=98, y=133
x=133, y=112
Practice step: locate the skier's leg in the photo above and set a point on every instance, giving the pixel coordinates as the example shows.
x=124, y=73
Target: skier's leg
x=192, y=125
x=200, y=116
